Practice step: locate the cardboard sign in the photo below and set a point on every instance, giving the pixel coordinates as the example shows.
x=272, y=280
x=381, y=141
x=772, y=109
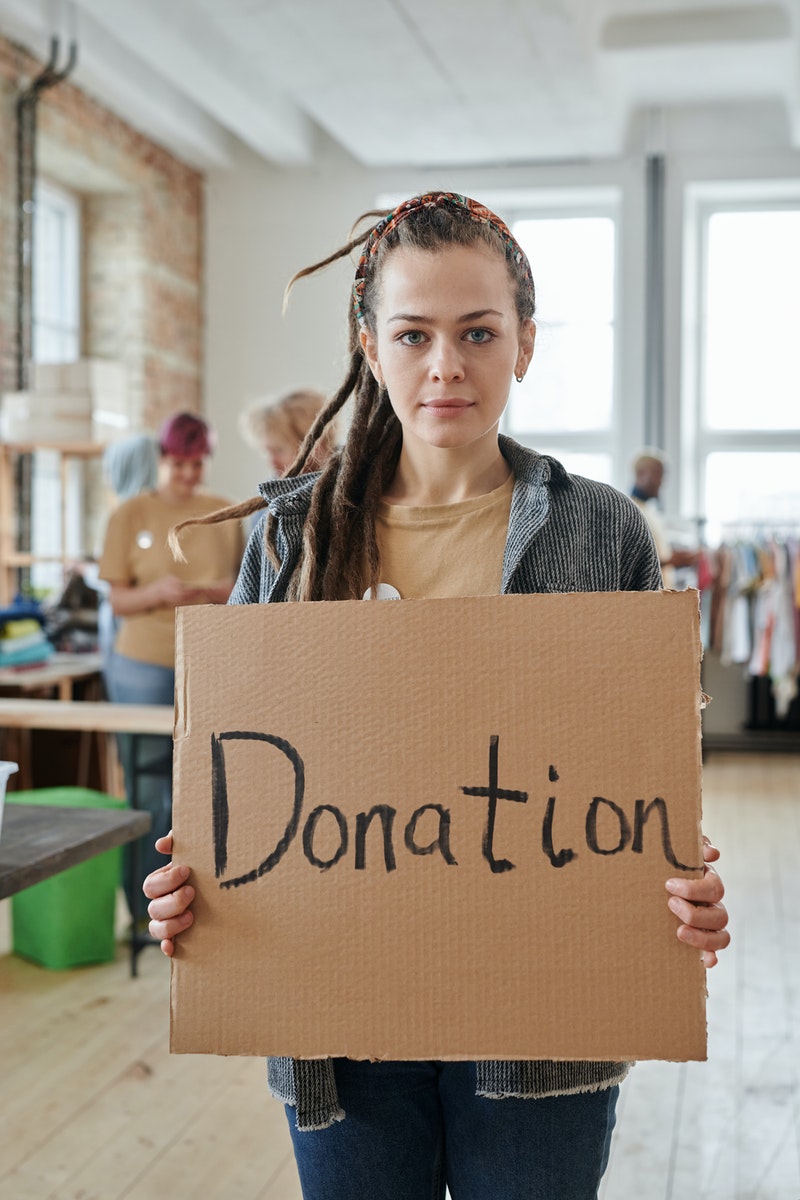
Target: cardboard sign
x=439, y=829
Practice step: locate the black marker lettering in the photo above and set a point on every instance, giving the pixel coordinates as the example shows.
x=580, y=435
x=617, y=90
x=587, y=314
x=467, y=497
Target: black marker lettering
x=363, y=822
x=309, y=829
x=639, y=820
x=591, y=827
x=564, y=856
x=219, y=803
x=493, y=794
x=442, y=840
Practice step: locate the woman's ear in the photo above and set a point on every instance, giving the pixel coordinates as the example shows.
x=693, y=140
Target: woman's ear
x=527, y=338
x=369, y=344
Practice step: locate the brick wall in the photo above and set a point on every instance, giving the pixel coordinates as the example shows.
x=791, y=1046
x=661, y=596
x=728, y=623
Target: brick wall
x=142, y=242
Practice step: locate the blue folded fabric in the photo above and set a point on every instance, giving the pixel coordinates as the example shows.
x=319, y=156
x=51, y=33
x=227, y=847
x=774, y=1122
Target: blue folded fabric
x=19, y=609
x=28, y=655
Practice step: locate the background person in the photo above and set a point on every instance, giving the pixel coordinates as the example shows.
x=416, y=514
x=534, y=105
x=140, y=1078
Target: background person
x=130, y=466
x=147, y=585
x=649, y=469
x=426, y=497
x=277, y=428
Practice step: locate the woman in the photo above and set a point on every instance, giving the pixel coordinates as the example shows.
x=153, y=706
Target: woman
x=425, y=497
x=277, y=428
x=146, y=586
x=130, y=466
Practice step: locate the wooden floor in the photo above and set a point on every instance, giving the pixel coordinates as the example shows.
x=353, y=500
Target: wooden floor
x=94, y=1107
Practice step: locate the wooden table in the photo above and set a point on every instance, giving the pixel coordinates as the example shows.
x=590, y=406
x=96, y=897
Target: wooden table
x=98, y=716
x=38, y=840
x=59, y=672
x=89, y=717
x=57, y=675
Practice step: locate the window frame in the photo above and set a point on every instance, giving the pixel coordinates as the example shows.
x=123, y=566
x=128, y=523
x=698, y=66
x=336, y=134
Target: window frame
x=569, y=203
x=67, y=326
x=702, y=201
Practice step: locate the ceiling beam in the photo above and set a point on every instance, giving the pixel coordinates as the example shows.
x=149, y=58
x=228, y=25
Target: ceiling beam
x=175, y=40
x=122, y=83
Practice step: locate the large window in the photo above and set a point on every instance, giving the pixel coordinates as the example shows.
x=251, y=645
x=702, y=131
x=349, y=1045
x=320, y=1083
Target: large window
x=742, y=387
x=566, y=405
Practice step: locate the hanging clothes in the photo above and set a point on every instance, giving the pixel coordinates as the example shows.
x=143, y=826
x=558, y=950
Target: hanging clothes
x=753, y=609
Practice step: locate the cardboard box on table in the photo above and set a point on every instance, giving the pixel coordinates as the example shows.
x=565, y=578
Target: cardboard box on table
x=439, y=829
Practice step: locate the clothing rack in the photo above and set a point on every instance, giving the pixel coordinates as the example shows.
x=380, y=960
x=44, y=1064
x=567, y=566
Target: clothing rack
x=750, y=618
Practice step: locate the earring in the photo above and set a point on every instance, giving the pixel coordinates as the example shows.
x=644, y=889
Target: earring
x=519, y=378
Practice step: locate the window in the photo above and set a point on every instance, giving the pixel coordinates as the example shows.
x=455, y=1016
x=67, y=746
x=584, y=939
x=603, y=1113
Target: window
x=56, y=275
x=56, y=339
x=566, y=405
x=742, y=382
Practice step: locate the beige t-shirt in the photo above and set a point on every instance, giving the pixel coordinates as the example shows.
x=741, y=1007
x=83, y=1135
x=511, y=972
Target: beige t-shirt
x=135, y=553
x=445, y=549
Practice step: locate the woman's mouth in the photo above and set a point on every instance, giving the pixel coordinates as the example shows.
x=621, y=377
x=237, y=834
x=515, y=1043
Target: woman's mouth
x=447, y=407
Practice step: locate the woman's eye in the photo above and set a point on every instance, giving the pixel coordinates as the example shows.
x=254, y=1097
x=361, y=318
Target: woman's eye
x=412, y=337
x=478, y=336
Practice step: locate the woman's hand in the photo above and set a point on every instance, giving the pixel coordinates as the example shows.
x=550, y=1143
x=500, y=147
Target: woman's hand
x=698, y=904
x=172, y=592
x=170, y=897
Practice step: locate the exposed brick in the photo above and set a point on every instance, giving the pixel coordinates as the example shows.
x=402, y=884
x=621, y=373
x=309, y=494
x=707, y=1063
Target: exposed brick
x=143, y=253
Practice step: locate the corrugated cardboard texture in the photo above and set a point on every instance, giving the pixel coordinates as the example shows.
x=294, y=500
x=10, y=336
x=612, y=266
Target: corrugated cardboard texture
x=552, y=744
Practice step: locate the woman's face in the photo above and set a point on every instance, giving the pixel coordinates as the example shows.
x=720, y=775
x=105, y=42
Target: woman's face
x=281, y=449
x=447, y=343
x=181, y=476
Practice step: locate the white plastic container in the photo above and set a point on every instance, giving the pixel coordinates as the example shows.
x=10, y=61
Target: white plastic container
x=6, y=769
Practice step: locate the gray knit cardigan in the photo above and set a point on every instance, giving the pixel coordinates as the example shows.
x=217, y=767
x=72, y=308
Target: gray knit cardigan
x=565, y=534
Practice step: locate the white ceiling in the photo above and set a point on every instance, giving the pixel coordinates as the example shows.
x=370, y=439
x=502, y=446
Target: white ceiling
x=417, y=82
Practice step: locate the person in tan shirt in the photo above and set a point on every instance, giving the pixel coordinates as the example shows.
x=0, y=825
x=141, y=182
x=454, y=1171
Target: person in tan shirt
x=427, y=498
x=146, y=587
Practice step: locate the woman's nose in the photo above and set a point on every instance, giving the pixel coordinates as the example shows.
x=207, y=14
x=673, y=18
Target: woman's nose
x=447, y=363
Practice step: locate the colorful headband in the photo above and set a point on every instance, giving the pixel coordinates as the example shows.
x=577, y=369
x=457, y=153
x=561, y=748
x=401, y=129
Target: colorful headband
x=478, y=212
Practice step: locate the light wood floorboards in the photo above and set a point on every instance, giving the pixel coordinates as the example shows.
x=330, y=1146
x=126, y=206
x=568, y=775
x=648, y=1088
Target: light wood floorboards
x=95, y=1108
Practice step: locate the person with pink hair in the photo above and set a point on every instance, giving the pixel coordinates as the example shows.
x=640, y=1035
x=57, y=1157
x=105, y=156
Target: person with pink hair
x=146, y=586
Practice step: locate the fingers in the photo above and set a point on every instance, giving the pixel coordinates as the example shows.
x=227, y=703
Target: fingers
x=164, y=881
x=707, y=890
x=698, y=905
x=170, y=896
x=710, y=853
x=164, y=844
x=169, y=912
x=708, y=942
x=700, y=918
x=167, y=930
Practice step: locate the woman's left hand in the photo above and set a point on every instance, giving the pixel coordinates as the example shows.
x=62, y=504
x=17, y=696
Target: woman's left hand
x=698, y=904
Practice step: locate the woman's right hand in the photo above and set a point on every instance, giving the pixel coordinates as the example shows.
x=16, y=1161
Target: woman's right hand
x=170, y=896
x=171, y=592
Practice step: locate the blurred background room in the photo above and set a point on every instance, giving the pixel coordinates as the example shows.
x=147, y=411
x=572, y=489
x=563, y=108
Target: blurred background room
x=165, y=167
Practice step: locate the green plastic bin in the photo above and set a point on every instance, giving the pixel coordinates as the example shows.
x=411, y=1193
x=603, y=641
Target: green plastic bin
x=68, y=920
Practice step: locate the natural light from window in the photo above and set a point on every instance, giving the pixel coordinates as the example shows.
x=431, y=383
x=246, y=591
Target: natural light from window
x=570, y=385
x=752, y=366
x=749, y=413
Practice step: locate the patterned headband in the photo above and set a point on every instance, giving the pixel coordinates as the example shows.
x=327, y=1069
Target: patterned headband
x=451, y=200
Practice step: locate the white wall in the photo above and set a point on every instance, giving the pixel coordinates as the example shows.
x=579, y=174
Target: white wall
x=264, y=223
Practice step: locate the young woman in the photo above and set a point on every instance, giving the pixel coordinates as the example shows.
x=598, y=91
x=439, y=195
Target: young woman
x=427, y=498
x=147, y=585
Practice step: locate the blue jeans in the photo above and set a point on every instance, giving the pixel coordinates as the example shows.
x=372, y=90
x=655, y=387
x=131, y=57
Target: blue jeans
x=129, y=681
x=413, y=1127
